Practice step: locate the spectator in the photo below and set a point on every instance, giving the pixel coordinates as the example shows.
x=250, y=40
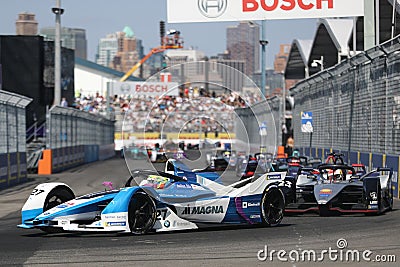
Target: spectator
x=64, y=102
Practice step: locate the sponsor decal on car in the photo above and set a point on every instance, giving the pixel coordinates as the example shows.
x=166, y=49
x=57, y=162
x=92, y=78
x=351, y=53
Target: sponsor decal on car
x=182, y=185
x=246, y=205
x=118, y=217
x=325, y=192
x=196, y=187
x=116, y=224
x=273, y=176
x=63, y=222
x=167, y=223
x=203, y=210
x=180, y=224
x=373, y=195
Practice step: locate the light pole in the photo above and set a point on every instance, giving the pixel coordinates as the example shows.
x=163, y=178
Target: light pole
x=263, y=44
x=284, y=128
x=319, y=62
x=58, y=11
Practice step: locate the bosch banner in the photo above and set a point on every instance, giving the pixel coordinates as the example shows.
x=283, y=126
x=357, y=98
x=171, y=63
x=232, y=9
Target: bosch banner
x=235, y=10
x=145, y=88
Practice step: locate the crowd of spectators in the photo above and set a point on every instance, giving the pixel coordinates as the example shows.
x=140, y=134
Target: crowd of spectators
x=193, y=110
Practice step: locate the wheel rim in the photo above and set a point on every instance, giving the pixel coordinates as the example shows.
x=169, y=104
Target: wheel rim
x=141, y=213
x=273, y=207
x=54, y=201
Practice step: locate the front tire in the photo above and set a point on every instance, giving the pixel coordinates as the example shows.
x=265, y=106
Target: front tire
x=56, y=197
x=141, y=213
x=272, y=206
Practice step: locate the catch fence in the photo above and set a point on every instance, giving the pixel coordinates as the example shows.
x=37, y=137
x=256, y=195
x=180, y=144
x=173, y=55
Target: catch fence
x=12, y=138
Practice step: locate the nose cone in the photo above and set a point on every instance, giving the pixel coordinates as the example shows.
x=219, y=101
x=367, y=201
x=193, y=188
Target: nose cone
x=326, y=192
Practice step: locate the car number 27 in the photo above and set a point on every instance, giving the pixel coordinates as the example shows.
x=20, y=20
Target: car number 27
x=161, y=214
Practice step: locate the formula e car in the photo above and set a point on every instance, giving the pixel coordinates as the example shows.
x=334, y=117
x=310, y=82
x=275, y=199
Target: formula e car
x=154, y=201
x=338, y=189
x=218, y=159
x=247, y=167
x=178, y=168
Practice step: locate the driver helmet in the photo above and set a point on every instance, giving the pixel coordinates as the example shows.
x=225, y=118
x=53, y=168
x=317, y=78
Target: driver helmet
x=338, y=175
x=296, y=153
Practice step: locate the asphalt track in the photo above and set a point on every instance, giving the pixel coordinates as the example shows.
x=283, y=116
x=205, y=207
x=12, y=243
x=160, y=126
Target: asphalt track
x=215, y=246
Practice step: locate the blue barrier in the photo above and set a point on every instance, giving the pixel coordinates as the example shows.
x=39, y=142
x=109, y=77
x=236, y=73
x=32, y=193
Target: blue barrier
x=377, y=161
x=364, y=159
x=106, y=151
x=91, y=153
x=69, y=157
x=320, y=153
x=353, y=157
x=22, y=172
x=3, y=170
x=306, y=151
x=13, y=169
x=393, y=162
x=56, y=160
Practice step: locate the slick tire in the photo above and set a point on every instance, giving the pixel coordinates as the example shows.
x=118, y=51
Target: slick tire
x=141, y=213
x=272, y=206
x=56, y=197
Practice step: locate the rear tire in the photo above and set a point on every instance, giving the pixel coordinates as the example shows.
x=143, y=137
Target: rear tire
x=390, y=196
x=56, y=197
x=141, y=213
x=272, y=206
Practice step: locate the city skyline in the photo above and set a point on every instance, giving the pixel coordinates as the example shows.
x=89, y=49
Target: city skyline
x=100, y=18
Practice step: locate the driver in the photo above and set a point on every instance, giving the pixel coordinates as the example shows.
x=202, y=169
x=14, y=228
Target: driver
x=338, y=176
x=156, y=181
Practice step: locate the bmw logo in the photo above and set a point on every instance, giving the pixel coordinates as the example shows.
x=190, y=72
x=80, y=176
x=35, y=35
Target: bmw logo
x=167, y=223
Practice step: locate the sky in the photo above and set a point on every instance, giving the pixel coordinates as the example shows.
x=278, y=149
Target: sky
x=101, y=17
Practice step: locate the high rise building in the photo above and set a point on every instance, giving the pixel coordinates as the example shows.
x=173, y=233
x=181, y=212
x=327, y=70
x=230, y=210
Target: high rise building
x=107, y=49
x=71, y=38
x=242, y=42
x=231, y=71
x=281, y=58
x=26, y=24
x=120, y=50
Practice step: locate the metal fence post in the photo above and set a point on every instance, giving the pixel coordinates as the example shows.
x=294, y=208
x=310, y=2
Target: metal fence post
x=351, y=111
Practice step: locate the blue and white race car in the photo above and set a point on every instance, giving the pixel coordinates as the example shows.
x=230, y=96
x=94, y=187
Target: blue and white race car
x=154, y=201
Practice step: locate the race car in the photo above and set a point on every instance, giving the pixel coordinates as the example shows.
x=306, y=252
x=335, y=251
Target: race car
x=335, y=158
x=154, y=201
x=178, y=168
x=338, y=189
x=218, y=159
x=134, y=152
x=247, y=167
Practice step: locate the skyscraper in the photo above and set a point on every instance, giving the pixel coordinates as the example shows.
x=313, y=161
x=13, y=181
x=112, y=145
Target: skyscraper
x=71, y=38
x=26, y=24
x=107, y=49
x=281, y=58
x=120, y=50
x=242, y=42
